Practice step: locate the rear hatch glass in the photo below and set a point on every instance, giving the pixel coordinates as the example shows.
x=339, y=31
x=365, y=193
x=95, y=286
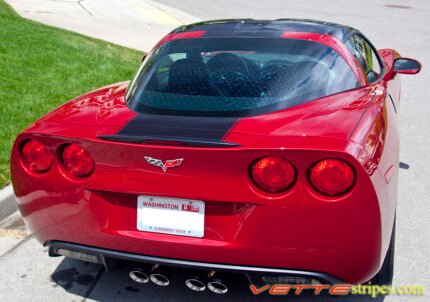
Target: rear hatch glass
x=238, y=76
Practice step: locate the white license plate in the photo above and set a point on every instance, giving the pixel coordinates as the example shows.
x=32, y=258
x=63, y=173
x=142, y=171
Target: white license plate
x=171, y=216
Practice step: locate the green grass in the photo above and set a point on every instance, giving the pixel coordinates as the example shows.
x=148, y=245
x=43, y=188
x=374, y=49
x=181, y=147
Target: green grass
x=42, y=67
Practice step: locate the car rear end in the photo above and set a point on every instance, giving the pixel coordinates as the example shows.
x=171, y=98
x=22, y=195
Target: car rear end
x=297, y=229
x=257, y=181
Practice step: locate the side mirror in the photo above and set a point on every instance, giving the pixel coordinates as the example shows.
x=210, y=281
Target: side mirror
x=143, y=58
x=406, y=66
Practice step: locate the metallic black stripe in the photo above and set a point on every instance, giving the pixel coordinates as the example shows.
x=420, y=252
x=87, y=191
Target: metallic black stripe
x=256, y=28
x=137, y=139
x=178, y=128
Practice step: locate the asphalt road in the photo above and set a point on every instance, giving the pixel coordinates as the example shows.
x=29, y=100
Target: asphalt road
x=26, y=272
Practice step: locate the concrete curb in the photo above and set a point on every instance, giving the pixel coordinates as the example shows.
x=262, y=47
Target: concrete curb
x=7, y=202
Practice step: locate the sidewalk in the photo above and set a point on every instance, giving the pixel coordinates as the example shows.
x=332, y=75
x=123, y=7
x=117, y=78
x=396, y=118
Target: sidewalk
x=138, y=24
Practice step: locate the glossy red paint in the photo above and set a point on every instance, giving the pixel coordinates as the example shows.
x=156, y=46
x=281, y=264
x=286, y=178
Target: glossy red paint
x=56, y=206
x=344, y=236
x=180, y=35
x=389, y=56
x=333, y=43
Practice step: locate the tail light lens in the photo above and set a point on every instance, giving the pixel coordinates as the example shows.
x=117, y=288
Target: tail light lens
x=332, y=177
x=77, y=161
x=36, y=156
x=273, y=174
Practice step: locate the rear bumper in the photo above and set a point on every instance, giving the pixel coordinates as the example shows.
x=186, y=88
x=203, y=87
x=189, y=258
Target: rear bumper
x=103, y=255
x=298, y=231
x=288, y=238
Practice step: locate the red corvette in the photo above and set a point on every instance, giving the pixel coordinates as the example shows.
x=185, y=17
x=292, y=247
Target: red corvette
x=265, y=148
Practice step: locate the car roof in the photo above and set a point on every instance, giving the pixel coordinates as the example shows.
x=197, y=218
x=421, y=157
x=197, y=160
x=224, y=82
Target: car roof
x=254, y=27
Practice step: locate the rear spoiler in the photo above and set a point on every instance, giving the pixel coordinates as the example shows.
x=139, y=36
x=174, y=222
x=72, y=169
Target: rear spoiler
x=154, y=140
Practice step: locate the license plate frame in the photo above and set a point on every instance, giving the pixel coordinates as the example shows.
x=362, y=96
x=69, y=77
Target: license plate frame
x=173, y=216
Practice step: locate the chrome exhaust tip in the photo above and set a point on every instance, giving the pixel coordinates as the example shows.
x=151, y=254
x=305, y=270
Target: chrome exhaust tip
x=159, y=275
x=195, y=284
x=138, y=275
x=159, y=279
x=217, y=286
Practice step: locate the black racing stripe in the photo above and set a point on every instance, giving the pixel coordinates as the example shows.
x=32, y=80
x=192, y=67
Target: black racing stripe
x=171, y=126
x=255, y=28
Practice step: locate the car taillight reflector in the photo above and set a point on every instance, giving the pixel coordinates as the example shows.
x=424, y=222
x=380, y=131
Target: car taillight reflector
x=273, y=174
x=77, y=161
x=332, y=177
x=36, y=156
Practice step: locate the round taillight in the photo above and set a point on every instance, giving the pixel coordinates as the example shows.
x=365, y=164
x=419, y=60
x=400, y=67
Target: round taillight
x=273, y=174
x=36, y=156
x=77, y=161
x=332, y=177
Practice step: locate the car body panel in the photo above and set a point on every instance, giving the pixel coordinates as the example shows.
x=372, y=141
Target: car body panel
x=346, y=237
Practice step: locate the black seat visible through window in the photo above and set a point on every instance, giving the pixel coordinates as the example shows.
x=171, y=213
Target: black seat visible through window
x=283, y=78
x=237, y=76
x=188, y=76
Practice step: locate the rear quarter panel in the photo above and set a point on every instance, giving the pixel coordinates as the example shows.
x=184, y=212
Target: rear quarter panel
x=377, y=132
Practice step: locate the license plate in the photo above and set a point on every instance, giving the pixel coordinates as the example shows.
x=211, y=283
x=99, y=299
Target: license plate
x=171, y=216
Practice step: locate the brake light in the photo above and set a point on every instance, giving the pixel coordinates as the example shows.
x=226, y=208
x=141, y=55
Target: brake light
x=332, y=177
x=77, y=161
x=273, y=174
x=36, y=156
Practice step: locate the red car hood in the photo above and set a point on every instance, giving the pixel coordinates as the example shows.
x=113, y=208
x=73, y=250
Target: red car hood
x=104, y=112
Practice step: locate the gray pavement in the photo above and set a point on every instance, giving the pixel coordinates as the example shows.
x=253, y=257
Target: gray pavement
x=138, y=24
x=31, y=277
x=28, y=274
